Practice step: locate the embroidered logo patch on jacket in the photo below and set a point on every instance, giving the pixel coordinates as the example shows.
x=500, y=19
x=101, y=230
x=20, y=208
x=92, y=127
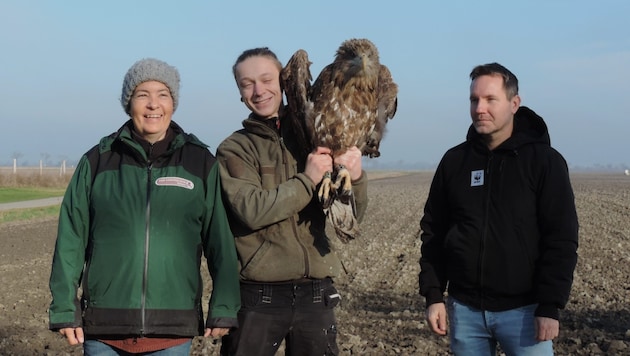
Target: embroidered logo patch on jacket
x=476, y=178
x=175, y=182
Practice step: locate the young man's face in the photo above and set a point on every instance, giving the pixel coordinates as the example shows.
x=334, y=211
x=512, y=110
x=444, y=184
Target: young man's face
x=491, y=111
x=258, y=80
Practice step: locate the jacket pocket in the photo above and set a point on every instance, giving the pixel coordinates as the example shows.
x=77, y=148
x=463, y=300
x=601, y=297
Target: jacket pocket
x=256, y=259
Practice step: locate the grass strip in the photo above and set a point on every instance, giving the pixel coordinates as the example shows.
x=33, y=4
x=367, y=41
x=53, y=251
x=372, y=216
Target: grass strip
x=14, y=194
x=18, y=215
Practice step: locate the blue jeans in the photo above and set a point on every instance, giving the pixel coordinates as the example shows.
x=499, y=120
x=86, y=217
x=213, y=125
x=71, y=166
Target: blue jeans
x=97, y=348
x=477, y=332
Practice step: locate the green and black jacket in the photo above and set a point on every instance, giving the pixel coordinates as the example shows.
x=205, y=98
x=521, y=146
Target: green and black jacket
x=132, y=228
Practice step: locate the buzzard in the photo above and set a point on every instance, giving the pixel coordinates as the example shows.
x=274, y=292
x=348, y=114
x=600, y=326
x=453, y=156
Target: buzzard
x=348, y=105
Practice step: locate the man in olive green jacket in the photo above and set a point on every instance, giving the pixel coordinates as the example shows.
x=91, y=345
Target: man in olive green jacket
x=285, y=257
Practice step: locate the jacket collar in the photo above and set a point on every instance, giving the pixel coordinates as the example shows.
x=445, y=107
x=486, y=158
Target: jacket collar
x=529, y=128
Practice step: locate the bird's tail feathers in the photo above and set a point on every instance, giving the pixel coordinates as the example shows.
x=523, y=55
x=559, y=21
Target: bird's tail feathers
x=342, y=216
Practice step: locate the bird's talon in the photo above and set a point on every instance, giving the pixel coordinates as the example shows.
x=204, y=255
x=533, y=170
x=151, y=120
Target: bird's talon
x=323, y=193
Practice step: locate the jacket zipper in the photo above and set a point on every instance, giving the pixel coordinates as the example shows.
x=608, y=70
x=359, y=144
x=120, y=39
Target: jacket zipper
x=147, y=221
x=482, y=247
x=287, y=172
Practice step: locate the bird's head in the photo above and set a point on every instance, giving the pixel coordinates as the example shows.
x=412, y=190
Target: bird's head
x=360, y=57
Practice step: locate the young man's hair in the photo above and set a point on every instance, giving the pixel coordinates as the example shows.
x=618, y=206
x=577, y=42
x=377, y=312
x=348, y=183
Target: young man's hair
x=510, y=82
x=256, y=52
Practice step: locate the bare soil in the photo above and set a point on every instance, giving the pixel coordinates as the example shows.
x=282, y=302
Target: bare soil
x=381, y=312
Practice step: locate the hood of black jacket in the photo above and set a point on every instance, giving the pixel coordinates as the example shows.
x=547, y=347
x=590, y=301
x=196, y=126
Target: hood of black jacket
x=529, y=128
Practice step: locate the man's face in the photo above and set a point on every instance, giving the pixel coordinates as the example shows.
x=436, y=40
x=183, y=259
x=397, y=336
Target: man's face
x=491, y=111
x=258, y=80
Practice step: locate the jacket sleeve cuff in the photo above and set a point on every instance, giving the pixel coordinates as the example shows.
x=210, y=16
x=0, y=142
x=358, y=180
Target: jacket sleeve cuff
x=359, y=189
x=361, y=179
x=308, y=183
x=59, y=326
x=547, y=311
x=222, y=323
x=434, y=296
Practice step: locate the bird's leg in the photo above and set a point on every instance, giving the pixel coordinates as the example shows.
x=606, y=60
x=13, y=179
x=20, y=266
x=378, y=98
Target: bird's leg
x=344, y=182
x=324, y=190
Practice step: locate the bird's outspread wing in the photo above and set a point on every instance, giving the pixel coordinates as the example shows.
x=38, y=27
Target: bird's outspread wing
x=295, y=79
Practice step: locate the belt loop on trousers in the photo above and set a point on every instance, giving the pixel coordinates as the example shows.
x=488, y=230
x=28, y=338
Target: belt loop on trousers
x=266, y=293
x=317, y=291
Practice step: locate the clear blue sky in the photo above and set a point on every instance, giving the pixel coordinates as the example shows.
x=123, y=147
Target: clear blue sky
x=63, y=62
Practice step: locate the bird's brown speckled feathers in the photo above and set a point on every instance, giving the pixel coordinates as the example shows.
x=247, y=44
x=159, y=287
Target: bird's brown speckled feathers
x=348, y=104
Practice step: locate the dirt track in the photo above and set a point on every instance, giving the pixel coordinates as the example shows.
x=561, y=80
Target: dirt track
x=381, y=312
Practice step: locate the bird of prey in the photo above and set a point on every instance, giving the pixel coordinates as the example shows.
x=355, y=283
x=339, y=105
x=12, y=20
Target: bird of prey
x=348, y=105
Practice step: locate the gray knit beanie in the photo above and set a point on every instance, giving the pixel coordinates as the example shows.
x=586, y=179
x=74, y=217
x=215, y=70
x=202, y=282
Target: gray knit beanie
x=146, y=70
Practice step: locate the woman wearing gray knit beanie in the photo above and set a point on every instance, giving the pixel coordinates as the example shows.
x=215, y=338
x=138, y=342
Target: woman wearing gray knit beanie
x=140, y=78
x=146, y=70
x=142, y=206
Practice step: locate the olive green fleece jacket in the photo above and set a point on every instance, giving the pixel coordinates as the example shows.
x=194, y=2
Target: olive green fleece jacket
x=276, y=219
x=132, y=230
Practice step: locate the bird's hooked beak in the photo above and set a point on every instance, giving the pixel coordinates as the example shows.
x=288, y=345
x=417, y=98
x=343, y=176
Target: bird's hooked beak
x=360, y=61
x=359, y=65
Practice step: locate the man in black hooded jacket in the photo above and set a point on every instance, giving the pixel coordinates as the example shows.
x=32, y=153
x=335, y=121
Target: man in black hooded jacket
x=500, y=229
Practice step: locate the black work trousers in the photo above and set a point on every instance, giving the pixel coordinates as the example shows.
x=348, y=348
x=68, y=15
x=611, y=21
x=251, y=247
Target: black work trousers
x=300, y=313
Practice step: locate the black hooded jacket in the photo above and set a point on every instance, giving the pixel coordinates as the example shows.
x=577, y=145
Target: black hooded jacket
x=500, y=227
